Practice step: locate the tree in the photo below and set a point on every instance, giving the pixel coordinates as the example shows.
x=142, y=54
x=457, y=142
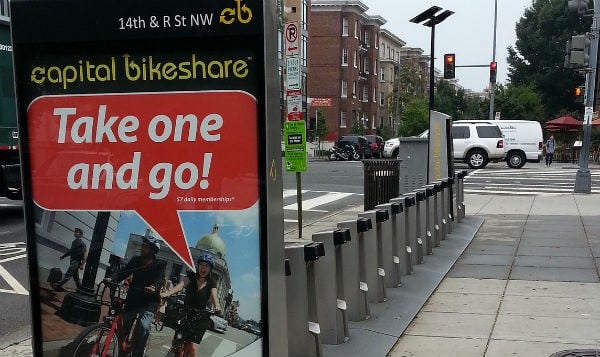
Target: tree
x=449, y=101
x=322, y=128
x=357, y=127
x=519, y=102
x=538, y=55
x=415, y=118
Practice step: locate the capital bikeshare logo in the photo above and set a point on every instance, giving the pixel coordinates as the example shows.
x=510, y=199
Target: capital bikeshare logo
x=239, y=12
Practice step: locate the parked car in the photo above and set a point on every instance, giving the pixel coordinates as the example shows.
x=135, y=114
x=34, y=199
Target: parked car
x=523, y=140
x=359, y=142
x=217, y=324
x=376, y=143
x=477, y=143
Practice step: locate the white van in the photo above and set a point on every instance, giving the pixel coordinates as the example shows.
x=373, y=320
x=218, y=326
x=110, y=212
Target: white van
x=523, y=140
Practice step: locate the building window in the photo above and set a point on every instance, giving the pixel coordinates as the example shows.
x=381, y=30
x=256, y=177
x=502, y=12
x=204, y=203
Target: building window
x=376, y=40
x=367, y=39
x=344, y=88
x=342, y=119
x=382, y=75
x=355, y=59
x=373, y=126
x=345, y=26
x=356, y=29
x=366, y=65
x=354, y=89
x=382, y=50
x=375, y=67
x=365, y=94
x=344, y=57
x=374, y=97
x=381, y=98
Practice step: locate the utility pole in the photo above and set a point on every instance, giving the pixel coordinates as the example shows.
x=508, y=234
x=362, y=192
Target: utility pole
x=583, y=178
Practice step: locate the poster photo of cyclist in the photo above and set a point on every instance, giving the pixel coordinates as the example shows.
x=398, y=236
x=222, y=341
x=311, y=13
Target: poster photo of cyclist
x=131, y=132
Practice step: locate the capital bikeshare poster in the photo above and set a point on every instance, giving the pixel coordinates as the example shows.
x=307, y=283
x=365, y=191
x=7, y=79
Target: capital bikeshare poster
x=140, y=119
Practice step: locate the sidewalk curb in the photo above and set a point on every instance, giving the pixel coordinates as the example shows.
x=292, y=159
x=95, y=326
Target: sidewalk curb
x=15, y=337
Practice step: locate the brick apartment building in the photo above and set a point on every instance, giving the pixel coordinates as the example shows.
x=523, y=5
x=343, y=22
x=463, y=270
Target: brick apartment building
x=343, y=64
x=390, y=60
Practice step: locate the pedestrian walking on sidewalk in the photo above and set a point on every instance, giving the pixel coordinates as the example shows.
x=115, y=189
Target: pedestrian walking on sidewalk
x=550, y=145
x=78, y=255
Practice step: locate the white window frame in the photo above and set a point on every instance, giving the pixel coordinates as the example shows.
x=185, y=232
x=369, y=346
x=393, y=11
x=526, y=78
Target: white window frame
x=365, y=94
x=345, y=56
x=373, y=126
x=368, y=38
x=366, y=65
x=382, y=98
x=355, y=28
x=342, y=119
x=375, y=67
x=345, y=27
x=374, y=97
x=355, y=59
x=344, y=91
x=354, y=89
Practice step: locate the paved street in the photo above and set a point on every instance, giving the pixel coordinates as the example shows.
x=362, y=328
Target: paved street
x=514, y=255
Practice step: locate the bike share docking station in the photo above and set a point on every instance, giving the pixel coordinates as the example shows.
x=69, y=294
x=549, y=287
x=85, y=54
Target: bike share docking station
x=303, y=329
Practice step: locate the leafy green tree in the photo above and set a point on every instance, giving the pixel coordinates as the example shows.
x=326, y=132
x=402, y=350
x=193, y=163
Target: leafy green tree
x=322, y=126
x=415, y=118
x=357, y=127
x=519, y=102
x=538, y=55
x=450, y=101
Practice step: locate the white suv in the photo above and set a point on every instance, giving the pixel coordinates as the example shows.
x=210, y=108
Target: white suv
x=473, y=143
x=477, y=143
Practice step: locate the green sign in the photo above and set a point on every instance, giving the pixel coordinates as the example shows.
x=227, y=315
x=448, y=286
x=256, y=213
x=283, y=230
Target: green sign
x=294, y=138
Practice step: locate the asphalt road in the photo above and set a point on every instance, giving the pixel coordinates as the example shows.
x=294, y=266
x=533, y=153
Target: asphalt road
x=14, y=276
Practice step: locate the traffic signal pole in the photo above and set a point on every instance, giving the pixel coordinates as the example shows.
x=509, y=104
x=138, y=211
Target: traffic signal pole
x=583, y=178
x=493, y=83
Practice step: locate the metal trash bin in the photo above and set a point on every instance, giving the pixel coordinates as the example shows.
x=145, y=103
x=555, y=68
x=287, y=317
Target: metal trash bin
x=331, y=303
x=370, y=248
x=392, y=261
x=303, y=323
x=381, y=181
x=354, y=288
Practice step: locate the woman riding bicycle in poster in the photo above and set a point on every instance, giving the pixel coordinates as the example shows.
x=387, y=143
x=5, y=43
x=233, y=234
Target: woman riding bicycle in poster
x=199, y=289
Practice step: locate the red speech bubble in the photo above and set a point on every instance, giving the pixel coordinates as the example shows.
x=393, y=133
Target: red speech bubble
x=153, y=153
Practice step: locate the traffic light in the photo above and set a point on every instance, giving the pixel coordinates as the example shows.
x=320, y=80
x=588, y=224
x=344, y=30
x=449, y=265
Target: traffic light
x=579, y=51
x=449, y=66
x=578, y=6
x=579, y=94
x=493, y=67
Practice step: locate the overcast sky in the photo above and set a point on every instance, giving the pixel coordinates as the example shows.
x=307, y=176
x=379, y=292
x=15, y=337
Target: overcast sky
x=468, y=33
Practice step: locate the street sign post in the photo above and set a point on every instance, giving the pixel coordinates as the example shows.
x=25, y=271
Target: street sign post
x=131, y=130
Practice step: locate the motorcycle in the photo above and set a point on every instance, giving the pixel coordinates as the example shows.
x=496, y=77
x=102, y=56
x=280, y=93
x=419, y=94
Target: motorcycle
x=348, y=152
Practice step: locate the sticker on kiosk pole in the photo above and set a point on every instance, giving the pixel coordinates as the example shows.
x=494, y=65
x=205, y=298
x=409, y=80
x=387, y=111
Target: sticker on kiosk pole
x=294, y=105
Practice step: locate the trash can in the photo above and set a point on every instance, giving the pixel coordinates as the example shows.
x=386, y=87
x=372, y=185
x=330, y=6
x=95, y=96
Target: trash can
x=381, y=181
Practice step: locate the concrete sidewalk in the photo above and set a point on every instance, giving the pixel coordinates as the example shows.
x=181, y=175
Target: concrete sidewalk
x=526, y=285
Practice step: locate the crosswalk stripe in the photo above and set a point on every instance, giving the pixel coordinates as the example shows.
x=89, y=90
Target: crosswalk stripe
x=310, y=204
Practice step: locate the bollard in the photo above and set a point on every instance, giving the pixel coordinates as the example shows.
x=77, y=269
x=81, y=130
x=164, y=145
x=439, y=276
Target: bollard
x=457, y=192
x=462, y=194
x=331, y=303
x=450, y=202
x=422, y=217
x=403, y=249
x=392, y=261
x=409, y=232
x=370, y=251
x=419, y=223
x=436, y=215
x=444, y=210
x=354, y=288
x=303, y=326
x=429, y=204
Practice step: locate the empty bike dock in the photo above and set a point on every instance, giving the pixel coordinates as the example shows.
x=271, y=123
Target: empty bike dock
x=353, y=289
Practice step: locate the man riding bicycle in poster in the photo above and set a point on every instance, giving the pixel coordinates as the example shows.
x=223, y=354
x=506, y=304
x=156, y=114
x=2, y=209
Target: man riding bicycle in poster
x=199, y=290
x=143, y=293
